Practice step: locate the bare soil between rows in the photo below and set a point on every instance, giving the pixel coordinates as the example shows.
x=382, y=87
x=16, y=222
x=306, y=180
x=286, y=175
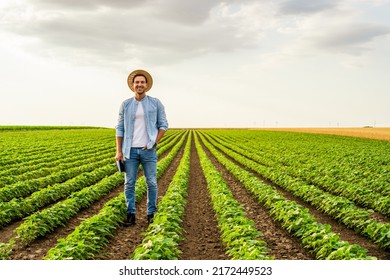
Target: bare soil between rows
x=344, y=232
x=201, y=236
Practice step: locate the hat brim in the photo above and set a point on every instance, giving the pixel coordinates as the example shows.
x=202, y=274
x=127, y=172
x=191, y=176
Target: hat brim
x=141, y=72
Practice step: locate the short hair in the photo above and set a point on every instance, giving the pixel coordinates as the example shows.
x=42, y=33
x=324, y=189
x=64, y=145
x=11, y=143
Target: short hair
x=138, y=75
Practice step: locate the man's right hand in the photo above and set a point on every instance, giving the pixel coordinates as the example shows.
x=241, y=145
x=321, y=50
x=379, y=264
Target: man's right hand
x=119, y=156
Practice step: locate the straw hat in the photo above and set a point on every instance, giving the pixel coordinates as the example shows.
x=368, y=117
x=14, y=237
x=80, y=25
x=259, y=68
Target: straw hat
x=142, y=72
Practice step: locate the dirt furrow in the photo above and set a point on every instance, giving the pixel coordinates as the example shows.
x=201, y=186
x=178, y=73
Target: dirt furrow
x=345, y=233
x=201, y=234
x=126, y=239
x=38, y=249
x=283, y=245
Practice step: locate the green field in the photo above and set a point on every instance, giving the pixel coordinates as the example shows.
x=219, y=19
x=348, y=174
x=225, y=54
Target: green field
x=326, y=196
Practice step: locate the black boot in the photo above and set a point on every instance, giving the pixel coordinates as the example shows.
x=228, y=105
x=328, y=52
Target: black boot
x=150, y=218
x=130, y=220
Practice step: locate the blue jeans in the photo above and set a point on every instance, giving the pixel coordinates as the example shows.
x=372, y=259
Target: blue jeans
x=148, y=160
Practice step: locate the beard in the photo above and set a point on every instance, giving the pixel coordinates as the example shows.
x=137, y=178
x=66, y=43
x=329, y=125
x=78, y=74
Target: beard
x=140, y=90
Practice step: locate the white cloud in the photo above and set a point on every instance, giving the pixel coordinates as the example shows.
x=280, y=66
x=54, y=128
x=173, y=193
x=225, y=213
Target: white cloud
x=170, y=31
x=153, y=31
x=339, y=30
x=269, y=51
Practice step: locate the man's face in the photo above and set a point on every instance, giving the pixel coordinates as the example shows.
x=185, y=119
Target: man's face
x=140, y=85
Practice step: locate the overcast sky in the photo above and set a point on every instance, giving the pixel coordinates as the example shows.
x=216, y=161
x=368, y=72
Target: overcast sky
x=227, y=63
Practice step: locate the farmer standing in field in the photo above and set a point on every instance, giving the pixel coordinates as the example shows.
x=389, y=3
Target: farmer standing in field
x=141, y=124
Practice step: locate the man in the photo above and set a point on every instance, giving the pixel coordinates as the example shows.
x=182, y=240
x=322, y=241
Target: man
x=141, y=124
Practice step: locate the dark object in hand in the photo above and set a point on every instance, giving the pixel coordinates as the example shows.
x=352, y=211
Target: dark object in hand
x=121, y=165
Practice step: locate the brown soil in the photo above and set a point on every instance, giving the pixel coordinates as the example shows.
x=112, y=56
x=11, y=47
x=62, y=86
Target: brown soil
x=126, y=239
x=345, y=233
x=38, y=248
x=201, y=237
x=283, y=245
x=201, y=234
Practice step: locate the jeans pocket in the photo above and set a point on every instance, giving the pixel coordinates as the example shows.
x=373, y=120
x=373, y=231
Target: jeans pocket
x=149, y=155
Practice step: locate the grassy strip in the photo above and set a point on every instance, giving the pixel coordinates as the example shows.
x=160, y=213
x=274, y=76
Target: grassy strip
x=94, y=233
x=163, y=235
x=319, y=238
x=237, y=232
x=337, y=207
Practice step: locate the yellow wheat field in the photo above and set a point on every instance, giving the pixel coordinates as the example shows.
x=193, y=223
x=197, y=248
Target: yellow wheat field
x=381, y=133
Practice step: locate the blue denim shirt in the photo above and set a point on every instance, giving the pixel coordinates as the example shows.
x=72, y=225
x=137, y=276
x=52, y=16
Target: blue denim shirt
x=154, y=116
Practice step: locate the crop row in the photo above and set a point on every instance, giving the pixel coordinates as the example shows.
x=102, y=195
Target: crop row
x=48, y=219
x=163, y=235
x=328, y=160
x=94, y=233
x=239, y=233
x=337, y=207
x=51, y=164
x=27, y=187
x=19, y=208
x=352, y=191
x=18, y=150
x=319, y=238
x=65, y=172
x=42, y=222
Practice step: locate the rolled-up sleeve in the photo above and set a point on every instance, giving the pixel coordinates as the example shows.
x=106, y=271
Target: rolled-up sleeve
x=120, y=129
x=162, y=122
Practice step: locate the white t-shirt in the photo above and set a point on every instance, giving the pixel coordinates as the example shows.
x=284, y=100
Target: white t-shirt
x=140, y=136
